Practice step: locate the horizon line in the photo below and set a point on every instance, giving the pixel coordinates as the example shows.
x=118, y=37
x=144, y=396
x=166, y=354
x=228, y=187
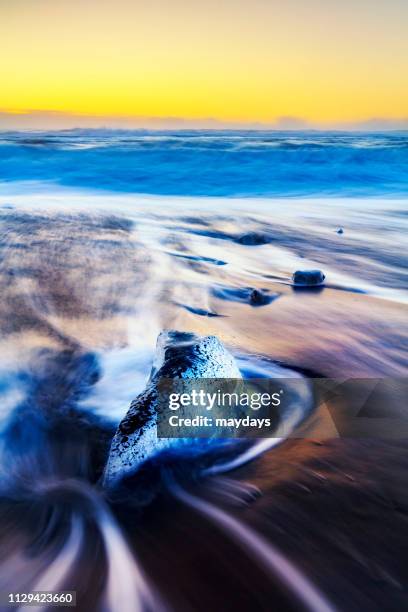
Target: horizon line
x=54, y=120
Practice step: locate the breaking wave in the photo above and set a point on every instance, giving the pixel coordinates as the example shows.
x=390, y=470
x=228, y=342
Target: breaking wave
x=212, y=163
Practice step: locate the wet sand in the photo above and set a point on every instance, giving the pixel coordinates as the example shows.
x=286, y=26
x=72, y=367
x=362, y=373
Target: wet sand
x=83, y=299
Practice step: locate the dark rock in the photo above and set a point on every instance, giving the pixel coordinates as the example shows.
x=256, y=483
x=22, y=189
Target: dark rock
x=259, y=298
x=308, y=278
x=253, y=239
x=245, y=295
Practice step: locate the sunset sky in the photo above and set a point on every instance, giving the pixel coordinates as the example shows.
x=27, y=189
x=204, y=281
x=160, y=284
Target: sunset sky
x=323, y=61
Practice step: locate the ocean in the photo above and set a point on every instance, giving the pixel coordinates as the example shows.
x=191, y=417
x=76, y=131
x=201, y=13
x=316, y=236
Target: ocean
x=212, y=163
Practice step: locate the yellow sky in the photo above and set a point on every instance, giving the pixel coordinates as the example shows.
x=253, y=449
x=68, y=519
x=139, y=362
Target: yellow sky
x=246, y=60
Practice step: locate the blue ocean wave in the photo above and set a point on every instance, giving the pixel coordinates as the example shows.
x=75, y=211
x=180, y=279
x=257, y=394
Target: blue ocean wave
x=211, y=163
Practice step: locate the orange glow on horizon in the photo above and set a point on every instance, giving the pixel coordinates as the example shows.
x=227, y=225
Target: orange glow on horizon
x=232, y=60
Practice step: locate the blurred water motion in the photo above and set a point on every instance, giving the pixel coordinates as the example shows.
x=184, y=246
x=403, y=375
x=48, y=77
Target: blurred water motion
x=211, y=162
x=87, y=282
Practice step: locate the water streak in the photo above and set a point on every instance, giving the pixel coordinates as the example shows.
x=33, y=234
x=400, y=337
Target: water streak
x=263, y=551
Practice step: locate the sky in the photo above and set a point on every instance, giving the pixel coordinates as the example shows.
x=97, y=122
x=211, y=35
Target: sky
x=213, y=63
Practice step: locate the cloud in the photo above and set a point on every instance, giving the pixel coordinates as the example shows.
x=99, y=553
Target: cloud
x=56, y=120
x=292, y=123
x=376, y=124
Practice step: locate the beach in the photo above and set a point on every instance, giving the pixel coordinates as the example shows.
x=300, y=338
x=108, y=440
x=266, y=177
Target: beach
x=89, y=277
